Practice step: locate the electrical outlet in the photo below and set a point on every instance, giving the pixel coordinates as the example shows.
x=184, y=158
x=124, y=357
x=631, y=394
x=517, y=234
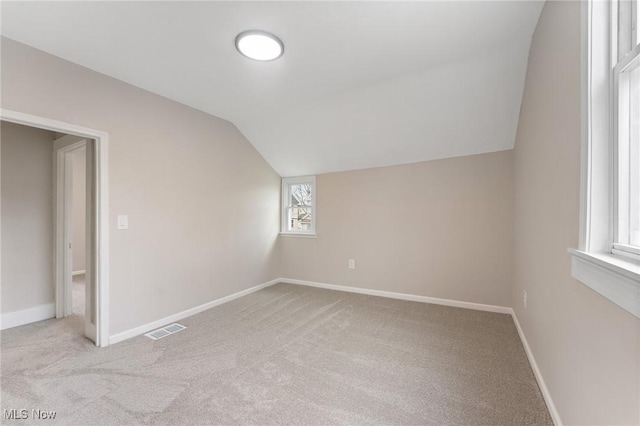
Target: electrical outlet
x=524, y=298
x=352, y=264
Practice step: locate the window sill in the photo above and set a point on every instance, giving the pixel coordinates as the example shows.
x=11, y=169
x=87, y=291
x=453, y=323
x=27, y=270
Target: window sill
x=614, y=277
x=297, y=235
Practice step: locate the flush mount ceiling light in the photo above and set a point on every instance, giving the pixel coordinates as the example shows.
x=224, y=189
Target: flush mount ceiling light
x=259, y=45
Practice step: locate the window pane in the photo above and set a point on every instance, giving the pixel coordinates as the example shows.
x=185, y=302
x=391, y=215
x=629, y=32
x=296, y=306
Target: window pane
x=300, y=194
x=298, y=203
x=634, y=154
x=299, y=219
x=625, y=27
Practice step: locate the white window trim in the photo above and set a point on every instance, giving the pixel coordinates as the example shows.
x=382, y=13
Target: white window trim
x=284, y=195
x=595, y=264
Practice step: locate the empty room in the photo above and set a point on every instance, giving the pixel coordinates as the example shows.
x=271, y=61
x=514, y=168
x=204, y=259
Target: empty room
x=320, y=212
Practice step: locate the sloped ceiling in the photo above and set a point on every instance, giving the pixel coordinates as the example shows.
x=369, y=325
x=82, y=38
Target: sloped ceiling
x=361, y=84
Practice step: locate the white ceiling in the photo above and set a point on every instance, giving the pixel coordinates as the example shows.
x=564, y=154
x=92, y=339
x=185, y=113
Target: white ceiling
x=361, y=84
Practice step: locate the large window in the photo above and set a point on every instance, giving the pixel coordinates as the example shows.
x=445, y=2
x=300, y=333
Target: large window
x=608, y=259
x=298, y=205
x=625, y=70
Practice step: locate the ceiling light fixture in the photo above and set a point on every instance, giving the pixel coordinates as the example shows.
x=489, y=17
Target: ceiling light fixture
x=259, y=45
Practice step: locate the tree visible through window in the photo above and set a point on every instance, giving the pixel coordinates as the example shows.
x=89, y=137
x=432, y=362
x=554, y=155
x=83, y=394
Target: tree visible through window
x=300, y=210
x=298, y=203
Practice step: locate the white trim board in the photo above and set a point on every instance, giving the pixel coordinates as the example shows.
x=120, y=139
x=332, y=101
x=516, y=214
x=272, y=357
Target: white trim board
x=612, y=277
x=402, y=296
x=81, y=272
x=27, y=316
x=119, y=337
x=553, y=411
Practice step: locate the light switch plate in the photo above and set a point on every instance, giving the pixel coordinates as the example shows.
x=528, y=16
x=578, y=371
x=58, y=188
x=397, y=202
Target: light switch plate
x=123, y=222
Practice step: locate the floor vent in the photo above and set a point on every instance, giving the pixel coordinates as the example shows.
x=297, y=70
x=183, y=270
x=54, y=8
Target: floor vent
x=165, y=331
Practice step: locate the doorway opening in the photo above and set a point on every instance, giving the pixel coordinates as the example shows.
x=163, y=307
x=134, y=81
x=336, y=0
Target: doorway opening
x=73, y=248
x=96, y=238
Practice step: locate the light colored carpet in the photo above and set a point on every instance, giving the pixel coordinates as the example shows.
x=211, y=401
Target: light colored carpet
x=284, y=355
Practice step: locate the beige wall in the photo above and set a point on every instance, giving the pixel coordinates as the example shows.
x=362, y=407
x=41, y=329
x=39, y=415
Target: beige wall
x=438, y=228
x=203, y=209
x=79, y=164
x=27, y=217
x=203, y=205
x=587, y=348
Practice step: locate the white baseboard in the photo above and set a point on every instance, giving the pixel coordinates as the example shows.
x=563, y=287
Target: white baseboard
x=184, y=314
x=119, y=337
x=381, y=293
x=80, y=272
x=553, y=411
x=402, y=296
x=27, y=316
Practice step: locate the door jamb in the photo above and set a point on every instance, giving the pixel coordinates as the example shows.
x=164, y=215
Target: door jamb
x=101, y=214
x=63, y=226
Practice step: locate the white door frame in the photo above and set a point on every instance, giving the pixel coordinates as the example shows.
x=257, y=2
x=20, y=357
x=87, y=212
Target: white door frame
x=63, y=224
x=101, y=213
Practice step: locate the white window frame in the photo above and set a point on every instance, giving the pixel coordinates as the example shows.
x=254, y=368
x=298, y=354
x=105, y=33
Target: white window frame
x=285, y=194
x=600, y=263
x=625, y=52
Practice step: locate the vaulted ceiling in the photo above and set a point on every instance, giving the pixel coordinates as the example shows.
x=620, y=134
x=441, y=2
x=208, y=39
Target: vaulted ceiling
x=361, y=84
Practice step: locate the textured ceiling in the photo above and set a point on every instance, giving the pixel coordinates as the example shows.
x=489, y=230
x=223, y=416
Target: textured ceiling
x=361, y=84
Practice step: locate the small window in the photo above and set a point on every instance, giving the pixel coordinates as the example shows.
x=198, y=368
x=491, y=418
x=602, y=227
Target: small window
x=298, y=205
